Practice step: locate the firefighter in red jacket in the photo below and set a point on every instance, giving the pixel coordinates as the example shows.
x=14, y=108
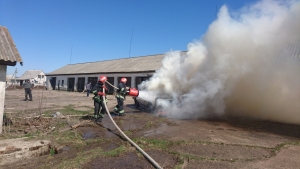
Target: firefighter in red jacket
x=98, y=98
x=120, y=95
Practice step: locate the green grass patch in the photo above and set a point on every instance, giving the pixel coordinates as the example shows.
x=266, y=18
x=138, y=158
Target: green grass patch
x=29, y=136
x=128, y=132
x=68, y=110
x=280, y=146
x=152, y=143
x=71, y=111
x=149, y=124
x=115, y=152
x=52, y=151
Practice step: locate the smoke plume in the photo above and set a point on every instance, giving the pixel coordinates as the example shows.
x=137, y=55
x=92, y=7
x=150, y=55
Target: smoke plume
x=246, y=64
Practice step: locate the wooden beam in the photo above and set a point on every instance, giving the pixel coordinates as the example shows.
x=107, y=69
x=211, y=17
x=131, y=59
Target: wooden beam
x=8, y=63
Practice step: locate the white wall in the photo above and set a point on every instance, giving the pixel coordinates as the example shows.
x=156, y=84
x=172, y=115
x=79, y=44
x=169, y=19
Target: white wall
x=65, y=78
x=2, y=93
x=40, y=80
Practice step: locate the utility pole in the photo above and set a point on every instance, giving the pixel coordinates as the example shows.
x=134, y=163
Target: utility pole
x=130, y=42
x=216, y=11
x=71, y=53
x=14, y=76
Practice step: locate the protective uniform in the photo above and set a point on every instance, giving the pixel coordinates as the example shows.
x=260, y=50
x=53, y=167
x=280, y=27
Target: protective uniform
x=120, y=95
x=98, y=99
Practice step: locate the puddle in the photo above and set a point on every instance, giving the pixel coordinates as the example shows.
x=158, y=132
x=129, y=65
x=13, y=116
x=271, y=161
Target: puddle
x=157, y=131
x=133, y=106
x=89, y=134
x=65, y=149
x=124, y=124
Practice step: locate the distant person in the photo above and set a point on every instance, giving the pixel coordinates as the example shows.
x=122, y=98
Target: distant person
x=46, y=87
x=99, y=109
x=28, y=87
x=88, y=87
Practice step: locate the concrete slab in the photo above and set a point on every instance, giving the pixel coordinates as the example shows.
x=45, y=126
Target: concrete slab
x=12, y=150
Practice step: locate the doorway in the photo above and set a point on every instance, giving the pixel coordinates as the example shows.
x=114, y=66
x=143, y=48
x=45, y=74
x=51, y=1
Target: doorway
x=93, y=80
x=71, y=84
x=80, y=85
x=53, y=82
x=111, y=81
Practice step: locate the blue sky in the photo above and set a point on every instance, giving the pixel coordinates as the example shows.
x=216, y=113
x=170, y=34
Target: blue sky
x=50, y=34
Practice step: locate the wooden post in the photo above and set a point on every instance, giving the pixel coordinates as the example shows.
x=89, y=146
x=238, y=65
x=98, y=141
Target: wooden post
x=2, y=93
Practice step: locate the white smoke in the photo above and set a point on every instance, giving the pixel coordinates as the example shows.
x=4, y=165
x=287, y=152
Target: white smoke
x=241, y=66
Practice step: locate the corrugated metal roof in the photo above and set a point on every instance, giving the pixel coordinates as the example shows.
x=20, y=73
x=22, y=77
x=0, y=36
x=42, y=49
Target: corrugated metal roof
x=133, y=64
x=30, y=74
x=8, y=49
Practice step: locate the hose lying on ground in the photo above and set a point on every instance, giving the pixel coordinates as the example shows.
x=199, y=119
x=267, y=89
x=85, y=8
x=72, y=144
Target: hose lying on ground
x=127, y=138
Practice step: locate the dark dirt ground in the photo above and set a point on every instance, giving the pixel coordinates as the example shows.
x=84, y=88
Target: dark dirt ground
x=227, y=142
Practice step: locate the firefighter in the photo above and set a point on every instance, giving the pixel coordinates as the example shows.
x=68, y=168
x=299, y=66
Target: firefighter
x=120, y=95
x=98, y=99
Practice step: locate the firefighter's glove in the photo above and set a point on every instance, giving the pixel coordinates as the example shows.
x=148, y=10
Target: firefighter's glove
x=97, y=99
x=101, y=94
x=104, y=87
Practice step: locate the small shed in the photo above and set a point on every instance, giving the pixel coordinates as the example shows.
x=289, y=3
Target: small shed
x=9, y=56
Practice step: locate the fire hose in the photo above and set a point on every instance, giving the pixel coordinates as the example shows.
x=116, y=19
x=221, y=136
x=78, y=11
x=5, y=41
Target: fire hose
x=127, y=138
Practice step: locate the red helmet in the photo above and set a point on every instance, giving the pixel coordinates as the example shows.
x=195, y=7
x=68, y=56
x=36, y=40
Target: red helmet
x=123, y=79
x=102, y=79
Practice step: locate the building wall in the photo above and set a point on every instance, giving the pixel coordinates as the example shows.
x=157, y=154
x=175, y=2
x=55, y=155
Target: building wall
x=61, y=81
x=40, y=79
